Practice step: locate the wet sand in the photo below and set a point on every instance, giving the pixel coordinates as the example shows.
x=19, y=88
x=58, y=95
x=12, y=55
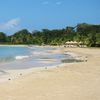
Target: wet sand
x=73, y=81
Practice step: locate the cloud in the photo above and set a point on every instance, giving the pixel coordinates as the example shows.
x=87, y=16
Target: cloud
x=45, y=3
x=9, y=24
x=58, y=3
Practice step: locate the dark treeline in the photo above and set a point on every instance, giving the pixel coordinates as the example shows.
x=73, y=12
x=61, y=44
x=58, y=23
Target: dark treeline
x=86, y=33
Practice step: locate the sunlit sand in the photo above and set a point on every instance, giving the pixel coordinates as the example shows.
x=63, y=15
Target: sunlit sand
x=69, y=81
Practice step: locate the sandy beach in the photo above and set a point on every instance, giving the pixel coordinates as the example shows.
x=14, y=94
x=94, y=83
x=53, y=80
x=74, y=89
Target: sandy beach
x=73, y=81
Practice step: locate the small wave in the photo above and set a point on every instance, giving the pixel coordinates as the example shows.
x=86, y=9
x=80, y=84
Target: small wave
x=21, y=57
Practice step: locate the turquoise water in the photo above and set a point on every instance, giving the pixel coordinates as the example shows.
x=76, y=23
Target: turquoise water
x=12, y=57
x=9, y=53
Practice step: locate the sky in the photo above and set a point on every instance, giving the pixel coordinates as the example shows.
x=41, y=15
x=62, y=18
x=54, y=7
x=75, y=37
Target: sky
x=46, y=14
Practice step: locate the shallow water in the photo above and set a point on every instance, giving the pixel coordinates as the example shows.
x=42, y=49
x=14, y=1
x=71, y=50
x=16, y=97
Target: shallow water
x=28, y=57
x=9, y=53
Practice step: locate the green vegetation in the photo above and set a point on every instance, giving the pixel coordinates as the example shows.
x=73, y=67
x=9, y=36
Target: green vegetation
x=86, y=33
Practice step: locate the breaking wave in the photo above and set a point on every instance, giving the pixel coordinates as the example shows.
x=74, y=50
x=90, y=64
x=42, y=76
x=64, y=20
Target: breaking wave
x=21, y=57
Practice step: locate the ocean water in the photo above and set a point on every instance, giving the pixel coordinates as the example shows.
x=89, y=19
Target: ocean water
x=17, y=57
x=11, y=53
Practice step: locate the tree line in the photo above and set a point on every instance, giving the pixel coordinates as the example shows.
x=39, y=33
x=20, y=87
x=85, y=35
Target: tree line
x=88, y=34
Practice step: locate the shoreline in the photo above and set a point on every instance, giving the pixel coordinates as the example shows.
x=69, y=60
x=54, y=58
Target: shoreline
x=13, y=45
x=73, y=81
x=14, y=74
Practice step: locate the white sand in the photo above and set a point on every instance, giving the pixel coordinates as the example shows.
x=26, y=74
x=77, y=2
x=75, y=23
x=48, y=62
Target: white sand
x=75, y=81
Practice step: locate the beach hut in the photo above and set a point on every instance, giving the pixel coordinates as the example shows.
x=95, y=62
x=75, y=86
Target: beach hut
x=71, y=43
x=81, y=44
x=74, y=44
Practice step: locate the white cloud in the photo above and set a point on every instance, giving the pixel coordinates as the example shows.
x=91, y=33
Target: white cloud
x=58, y=3
x=45, y=2
x=9, y=24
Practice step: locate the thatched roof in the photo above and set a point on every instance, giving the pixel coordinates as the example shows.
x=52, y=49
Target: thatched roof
x=71, y=42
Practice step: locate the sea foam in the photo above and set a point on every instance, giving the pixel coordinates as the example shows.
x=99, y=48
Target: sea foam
x=21, y=57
